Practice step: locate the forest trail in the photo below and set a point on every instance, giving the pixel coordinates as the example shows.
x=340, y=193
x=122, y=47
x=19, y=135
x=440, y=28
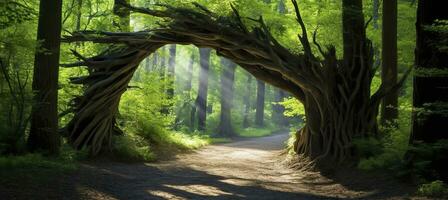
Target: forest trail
x=246, y=169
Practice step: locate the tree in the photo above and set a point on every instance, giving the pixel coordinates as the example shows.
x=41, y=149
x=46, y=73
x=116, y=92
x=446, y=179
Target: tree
x=44, y=118
x=190, y=70
x=338, y=102
x=278, y=110
x=259, y=114
x=389, y=112
x=227, y=89
x=201, y=100
x=171, y=71
x=124, y=16
x=247, y=101
x=430, y=89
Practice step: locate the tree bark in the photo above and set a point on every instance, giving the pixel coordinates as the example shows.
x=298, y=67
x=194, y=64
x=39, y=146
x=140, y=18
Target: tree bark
x=336, y=93
x=225, y=128
x=259, y=114
x=430, y=91
x=247, y=105
x=201, y=100
x=44, y=117
x=389, y=111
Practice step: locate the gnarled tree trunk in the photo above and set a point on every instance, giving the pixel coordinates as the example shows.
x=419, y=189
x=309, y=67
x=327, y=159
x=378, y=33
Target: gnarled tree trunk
x=336, y=93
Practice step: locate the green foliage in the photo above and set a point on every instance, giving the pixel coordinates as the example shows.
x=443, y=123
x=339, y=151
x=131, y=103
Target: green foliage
x=132, y=148
x=258, y=132
x=424, y=157
x=66, y=162
x=433, y=189
x=144, y=124
x=293, y=108
x=14, y=13
x=17, y=45
x=388, y=151
x=431, y=72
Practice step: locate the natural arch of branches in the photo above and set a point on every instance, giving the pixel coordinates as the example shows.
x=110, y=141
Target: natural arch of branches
x=336, y=93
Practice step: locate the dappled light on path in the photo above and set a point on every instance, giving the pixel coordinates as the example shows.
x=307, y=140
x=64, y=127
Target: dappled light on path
x=246, y=169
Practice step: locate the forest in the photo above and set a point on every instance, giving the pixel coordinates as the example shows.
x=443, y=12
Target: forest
x=223, y=99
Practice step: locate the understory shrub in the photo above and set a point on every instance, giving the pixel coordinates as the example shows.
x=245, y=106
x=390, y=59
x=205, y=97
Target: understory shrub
x=146, y=125
x=435, y=189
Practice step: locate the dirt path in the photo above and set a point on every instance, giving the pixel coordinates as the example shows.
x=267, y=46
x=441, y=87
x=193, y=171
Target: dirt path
x=248, y=169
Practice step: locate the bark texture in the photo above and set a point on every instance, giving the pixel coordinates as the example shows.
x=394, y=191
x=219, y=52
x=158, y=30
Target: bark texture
x=335, y=93
x=44, y=117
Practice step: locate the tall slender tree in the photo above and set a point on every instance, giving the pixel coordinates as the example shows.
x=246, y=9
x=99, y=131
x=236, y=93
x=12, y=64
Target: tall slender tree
x=431, y=90
x=171, y=71
x=44, y=117
x=259, y=114
x=190, y=70
x=389, y=112
x=227, y=92
x=247, y=100
x=201, y=100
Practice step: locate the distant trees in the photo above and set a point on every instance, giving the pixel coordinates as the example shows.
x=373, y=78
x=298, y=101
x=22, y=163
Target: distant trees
x=201, y=100
x=227, y=92
x=259, y=114
x=171, y=72
x=247, y=103
x=389, y=112
x=44, y=118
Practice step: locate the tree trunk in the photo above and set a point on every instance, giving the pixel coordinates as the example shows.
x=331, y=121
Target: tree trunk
x=430, y=90
x=79, y=15
x=389, y=112
x=190, y=69
x=282, y=7
x=124, y=16
x=171, y=71
x=278, y=110
x=346, y=109
x=247, y=105
x=227, y=88
x=259, y=115
x=201, y=100
x=375, y=13
x=44, y=117
x=187, y=89
x=336, y=93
